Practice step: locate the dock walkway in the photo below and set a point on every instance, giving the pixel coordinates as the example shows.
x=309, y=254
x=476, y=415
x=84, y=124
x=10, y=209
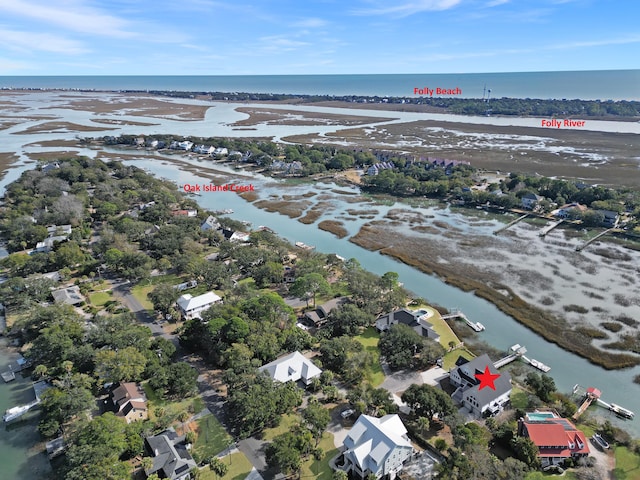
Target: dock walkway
x=548, y=228
x=511, y=223
x=579, y=248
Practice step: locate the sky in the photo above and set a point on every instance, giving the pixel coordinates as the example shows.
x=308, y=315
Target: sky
x=232, y=37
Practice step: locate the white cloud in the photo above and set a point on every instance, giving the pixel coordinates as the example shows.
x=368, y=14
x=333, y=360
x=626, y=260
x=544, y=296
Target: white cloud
x=71, y=15
x=310, y=23
x=495, y=3
x=280, y=43
x=403, y=10
x=597, y=43
x=44, y=42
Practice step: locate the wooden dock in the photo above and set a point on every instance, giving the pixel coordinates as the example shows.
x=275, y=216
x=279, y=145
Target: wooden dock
x=510, y=224
x=476, y=326
x=579, y=248
x=548, y=228
x=8, y=376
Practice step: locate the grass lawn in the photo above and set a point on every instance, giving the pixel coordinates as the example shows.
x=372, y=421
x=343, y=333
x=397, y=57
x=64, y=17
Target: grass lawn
x=567, y=475
x=320, y=469
x=212, y=437
x=140, y=293
x=627, y=464
x=449, y=360
x=286, y=422
x=441, y=328
x=519, y=398
x=98, y=299
x=369, y=340
x=239, y=468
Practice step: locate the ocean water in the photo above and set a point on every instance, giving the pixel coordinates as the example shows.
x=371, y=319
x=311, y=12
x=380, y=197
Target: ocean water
x=586, y=85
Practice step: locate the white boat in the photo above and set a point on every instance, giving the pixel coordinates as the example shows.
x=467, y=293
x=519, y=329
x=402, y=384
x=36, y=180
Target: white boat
x=15, y=412
x=539, y=365
x=597, y=438
x=621, y=411
x=304, y=246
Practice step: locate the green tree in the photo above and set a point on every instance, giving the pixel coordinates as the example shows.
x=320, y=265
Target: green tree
x=316, y=418
x=163, y=298
x=427, y=401
x=124, y=365
x=218, y=467
x=309, y=286
x=400, y=345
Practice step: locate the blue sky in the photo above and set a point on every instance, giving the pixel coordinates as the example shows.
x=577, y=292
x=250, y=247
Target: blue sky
x=231, y=37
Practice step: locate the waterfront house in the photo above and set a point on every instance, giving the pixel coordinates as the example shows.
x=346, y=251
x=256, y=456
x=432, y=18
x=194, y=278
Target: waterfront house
x=415, y=320
x=192, y=307
x=211, y=223
x=570, y=210
x=220, y=151
x=129, y=402
x=377, y=446
x=610, y=219
x=479, y=402
x=293, y=367
x=530, y=200
x=557, y=438
x=171, y=458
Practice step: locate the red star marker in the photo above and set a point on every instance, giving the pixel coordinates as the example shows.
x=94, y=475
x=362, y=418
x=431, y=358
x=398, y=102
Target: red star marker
x=487, y=378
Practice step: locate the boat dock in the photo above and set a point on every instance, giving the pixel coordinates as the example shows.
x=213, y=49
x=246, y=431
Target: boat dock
x=537, y=364
x=510, y=224
x=548, y=228
x=517, y=352
x=592, y=395
x=15, y=367
x=457, y=314
x=8, y=376
x=579, y=248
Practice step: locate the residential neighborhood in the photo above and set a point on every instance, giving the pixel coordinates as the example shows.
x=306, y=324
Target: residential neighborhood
x=376, y=385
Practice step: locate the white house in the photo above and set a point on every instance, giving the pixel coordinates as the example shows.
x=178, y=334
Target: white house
x=292, y=368
x=376, y=446
x=414, y=320
x=192, y=307
x=221, y=151
x=211, y=223
x=485, y=401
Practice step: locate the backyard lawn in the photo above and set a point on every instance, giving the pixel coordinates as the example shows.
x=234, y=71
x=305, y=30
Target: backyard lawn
x=369, y=340
x=212, y=437
x=239, y=468
x=140, y=293
x=627, y=464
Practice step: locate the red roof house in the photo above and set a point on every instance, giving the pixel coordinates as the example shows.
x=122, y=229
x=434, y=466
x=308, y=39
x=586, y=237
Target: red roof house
x=556, y=438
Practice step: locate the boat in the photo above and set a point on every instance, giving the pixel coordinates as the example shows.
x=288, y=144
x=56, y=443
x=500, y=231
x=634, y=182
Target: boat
x=15, y=412
x=539, y=365
x=479, y=326
x=304, y=246
x=621, y=411
x=597, y=438
x=223, y=212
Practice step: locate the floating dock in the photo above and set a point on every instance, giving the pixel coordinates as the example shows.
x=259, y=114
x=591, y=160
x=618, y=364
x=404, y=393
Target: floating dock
x=518, y=352
x=593, y=395
x=8, y=376
x=304, y=246
x=477, y=326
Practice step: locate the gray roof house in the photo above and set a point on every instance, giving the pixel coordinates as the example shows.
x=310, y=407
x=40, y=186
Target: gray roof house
x=377, y=446
x=320, y=315
x=171, y=459
x=409, y=318
x=211, y=223
x=530, y=200
x=480, y=402
x=69, y=295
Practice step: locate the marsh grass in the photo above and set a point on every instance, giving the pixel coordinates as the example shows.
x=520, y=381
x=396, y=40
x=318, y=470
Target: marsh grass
x=334, y=227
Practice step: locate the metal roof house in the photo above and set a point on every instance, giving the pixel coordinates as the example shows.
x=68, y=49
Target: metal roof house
x=293, y=367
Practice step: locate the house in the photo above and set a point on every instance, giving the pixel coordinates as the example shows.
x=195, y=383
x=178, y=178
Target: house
x=130, y=402
x=220, y=151
x=556, y=438
x=211, y=223
x=377, y=446
x=204, y=149
x=292, y=368
x=415, y=320
x=530, y=200
x=234, y=236
x=184, y=213
x=70, y=295
x=50, y=166
x=320, y=315
x=192, y=307
x=186, y=285
x=570, y=210
x=289, y=274
x=55, y=447
x=480, y=402
x=48, y=243
x=610, y=218
x=59, y=230
x=171, y=458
